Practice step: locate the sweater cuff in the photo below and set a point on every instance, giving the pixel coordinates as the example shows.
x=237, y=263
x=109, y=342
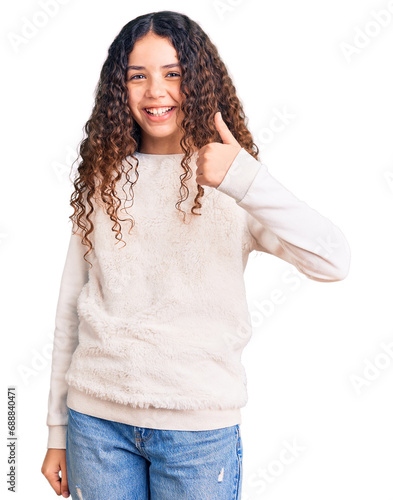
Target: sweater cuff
x=240, y=175
x=57, y=437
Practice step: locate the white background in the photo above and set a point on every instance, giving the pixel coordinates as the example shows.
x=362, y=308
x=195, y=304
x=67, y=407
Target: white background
x=313, y=59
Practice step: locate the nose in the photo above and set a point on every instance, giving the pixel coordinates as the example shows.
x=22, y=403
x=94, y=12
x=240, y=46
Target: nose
x=155, y=87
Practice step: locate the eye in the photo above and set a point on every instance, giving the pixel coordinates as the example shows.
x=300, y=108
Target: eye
x=134, y=77
x=170, y=73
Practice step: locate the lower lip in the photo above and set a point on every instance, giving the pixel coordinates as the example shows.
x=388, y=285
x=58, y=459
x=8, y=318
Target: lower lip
x=160, y=118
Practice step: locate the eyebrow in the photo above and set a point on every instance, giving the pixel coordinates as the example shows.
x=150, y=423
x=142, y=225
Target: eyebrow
x=174, y=65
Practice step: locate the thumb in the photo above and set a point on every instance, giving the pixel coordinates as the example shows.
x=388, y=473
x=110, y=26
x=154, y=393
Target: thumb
x=64, y=491
x=223, y=130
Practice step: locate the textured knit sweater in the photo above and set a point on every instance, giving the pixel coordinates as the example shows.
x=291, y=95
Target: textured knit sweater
x=153, y=334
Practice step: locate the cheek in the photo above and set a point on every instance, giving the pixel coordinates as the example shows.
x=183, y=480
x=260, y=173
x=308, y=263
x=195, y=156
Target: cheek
x=133, y=98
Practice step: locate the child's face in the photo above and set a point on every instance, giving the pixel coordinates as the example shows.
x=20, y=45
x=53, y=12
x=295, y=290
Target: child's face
x=155, y=87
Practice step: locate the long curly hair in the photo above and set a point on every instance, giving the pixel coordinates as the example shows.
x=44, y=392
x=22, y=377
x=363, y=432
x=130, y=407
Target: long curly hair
x=112, y=135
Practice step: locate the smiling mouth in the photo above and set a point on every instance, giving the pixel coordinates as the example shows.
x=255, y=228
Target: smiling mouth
x=159, y=111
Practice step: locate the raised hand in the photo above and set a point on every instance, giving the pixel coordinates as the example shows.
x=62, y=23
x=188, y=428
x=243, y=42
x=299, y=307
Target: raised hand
x=214, y=159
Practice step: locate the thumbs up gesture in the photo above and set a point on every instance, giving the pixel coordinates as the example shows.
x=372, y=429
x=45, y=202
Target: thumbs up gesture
x=214, y=159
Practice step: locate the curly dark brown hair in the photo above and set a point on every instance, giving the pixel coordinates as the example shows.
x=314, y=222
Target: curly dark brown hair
x=112, y=135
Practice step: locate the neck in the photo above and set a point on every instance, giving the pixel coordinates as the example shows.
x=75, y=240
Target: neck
x=163, y=149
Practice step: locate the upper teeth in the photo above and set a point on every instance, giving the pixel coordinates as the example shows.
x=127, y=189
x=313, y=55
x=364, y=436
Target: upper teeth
x=158, y=111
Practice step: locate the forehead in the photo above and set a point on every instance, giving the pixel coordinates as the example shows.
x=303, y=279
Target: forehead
x=152, y=50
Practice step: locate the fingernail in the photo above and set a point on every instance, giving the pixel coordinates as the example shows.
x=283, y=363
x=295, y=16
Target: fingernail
x=66, y=493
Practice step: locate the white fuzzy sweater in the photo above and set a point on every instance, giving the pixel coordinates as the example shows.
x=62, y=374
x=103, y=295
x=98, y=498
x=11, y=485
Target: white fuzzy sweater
x=153, y=334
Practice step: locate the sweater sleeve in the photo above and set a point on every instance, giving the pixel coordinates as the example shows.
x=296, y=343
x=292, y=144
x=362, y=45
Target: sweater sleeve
x=283, y=225
x=75, y=275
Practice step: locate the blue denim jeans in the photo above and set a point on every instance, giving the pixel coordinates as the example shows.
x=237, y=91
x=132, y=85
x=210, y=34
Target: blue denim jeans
x=109, y=460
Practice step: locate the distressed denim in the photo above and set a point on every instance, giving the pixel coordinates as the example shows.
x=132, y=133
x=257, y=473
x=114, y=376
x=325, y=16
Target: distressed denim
x=109, y=460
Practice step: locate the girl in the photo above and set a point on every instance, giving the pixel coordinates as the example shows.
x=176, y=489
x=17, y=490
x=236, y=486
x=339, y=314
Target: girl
x=147, y=381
